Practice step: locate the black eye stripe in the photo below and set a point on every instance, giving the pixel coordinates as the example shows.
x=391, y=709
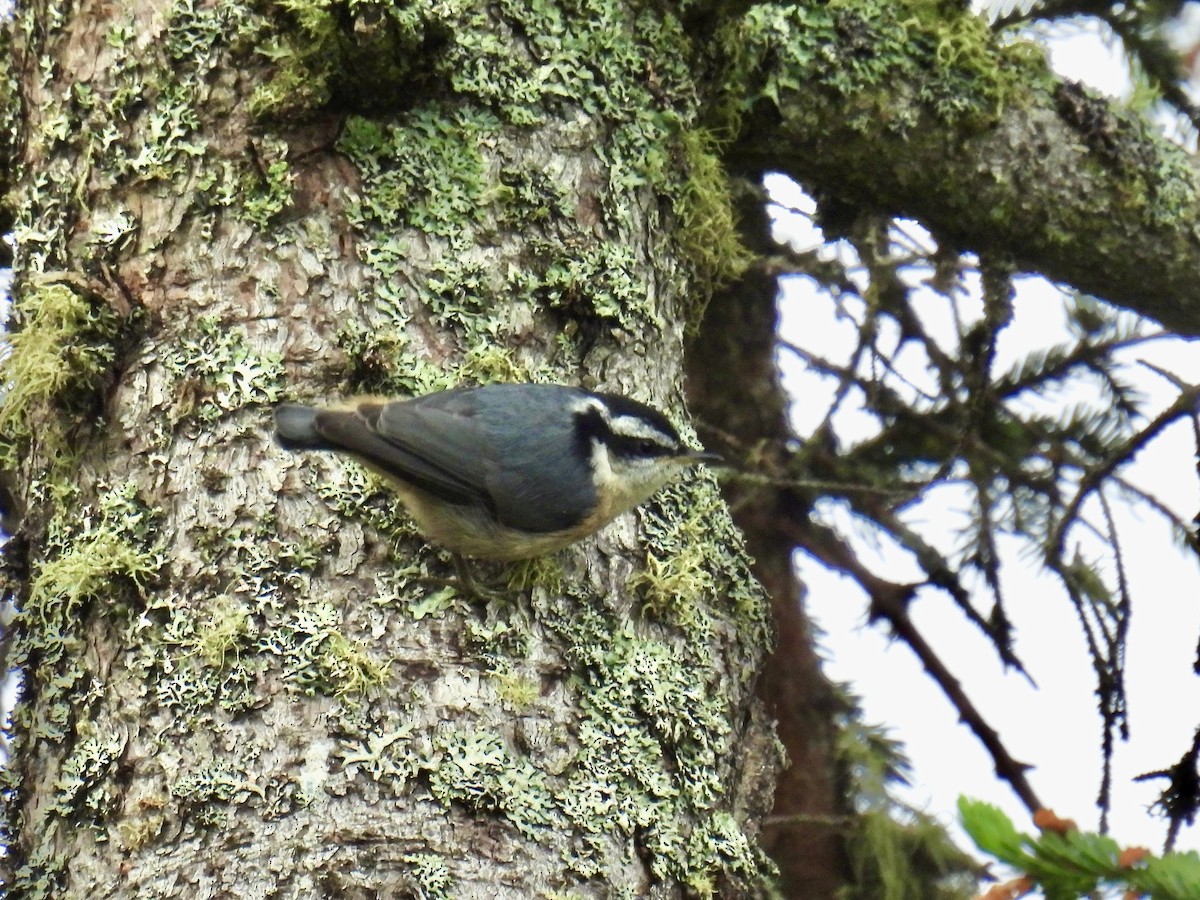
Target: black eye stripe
x=619, y=406
x=623, y=445
x=631, y=431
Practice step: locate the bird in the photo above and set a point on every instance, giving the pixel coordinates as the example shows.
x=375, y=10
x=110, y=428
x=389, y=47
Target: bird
x=502, y=471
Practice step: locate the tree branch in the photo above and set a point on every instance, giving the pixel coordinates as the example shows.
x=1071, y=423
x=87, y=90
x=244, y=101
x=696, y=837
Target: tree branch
x=889, y=602
x=1048, y=175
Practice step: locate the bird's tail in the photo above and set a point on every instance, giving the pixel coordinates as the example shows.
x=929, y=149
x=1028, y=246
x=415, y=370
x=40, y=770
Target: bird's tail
x=296, y=428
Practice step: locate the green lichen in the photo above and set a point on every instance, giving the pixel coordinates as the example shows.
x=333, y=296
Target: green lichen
x=526, y=197
x=142, y=124
x=42, y=875
x=1123, y=142
x=433, y=604
x=266, y=191
x=319, y=658
x=654, y=730
x=103, y=549
x=484, y=59
x=10, y=110
x=1170, y=189
x=428, y=876
x=208, y=787
x=384, y=757
x=521, y=60
x=648, y=757
x=920, y=70
x=427, y=173
x=382, y=360
x=674, y=586
x=85, y=783
x=855, y=54
x=679, y=576
x=200, y=35
x=256, y=565
x=487, y=364
x=59, y=350
x=96, y=561
x=695, y=551
x=590, y=56
x=602, y=279
x=472, y=767
x=721, y=839
x=219, y=371
x=202, y=663
x=463, y=295
x=225, y=632
x=652, y=740
x=208, y=653
x=169, y=147
x=139, y=124
x=477, y=768
x=516, y=690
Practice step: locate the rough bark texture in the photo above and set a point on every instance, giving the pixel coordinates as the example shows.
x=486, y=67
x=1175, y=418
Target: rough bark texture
x=920, y=111
x=802, y=833
x=230, y=667
x=234, y=682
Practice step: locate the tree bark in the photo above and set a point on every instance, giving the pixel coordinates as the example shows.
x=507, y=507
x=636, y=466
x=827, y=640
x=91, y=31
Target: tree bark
x=231, y=665
x=235, y=681
x=806, y=830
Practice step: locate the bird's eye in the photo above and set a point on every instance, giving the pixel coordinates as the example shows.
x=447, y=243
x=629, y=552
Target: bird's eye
x=648, y=448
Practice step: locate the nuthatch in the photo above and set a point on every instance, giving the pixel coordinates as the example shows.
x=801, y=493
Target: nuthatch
x=503, y=471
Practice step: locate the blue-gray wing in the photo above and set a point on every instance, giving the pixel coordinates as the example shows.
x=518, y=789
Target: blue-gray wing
x=410, y=441
x=508, y=448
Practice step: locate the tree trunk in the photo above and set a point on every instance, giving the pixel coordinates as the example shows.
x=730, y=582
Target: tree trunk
x=235, y=681
x=805, y=833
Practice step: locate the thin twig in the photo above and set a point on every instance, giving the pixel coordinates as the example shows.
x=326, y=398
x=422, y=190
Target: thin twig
x=889, y=601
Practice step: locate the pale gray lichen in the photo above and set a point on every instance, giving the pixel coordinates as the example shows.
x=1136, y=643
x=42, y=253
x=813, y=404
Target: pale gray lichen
x=221, y=370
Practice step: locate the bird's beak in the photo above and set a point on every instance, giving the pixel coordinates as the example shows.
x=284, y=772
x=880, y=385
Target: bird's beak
x=701, y=456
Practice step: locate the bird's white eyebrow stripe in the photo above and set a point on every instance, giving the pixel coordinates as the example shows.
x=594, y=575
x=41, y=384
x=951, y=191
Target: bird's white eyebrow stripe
x=631, y=426
x=625, y=426
x=588, y=404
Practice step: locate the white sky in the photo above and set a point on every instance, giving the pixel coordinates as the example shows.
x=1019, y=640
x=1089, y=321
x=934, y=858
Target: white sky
x=1056, y=727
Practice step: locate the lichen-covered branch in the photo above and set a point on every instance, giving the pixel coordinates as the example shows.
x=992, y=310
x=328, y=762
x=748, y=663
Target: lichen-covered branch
x=919, y=110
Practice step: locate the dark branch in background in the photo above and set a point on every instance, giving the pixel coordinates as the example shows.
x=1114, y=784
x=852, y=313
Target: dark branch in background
x=1115, y=718
x=889, y=603
x=1091, y=599
x=1030, y=474
x=1184, y=406
x=1193, y=532
x=1180, y=799
x=1140, y=27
